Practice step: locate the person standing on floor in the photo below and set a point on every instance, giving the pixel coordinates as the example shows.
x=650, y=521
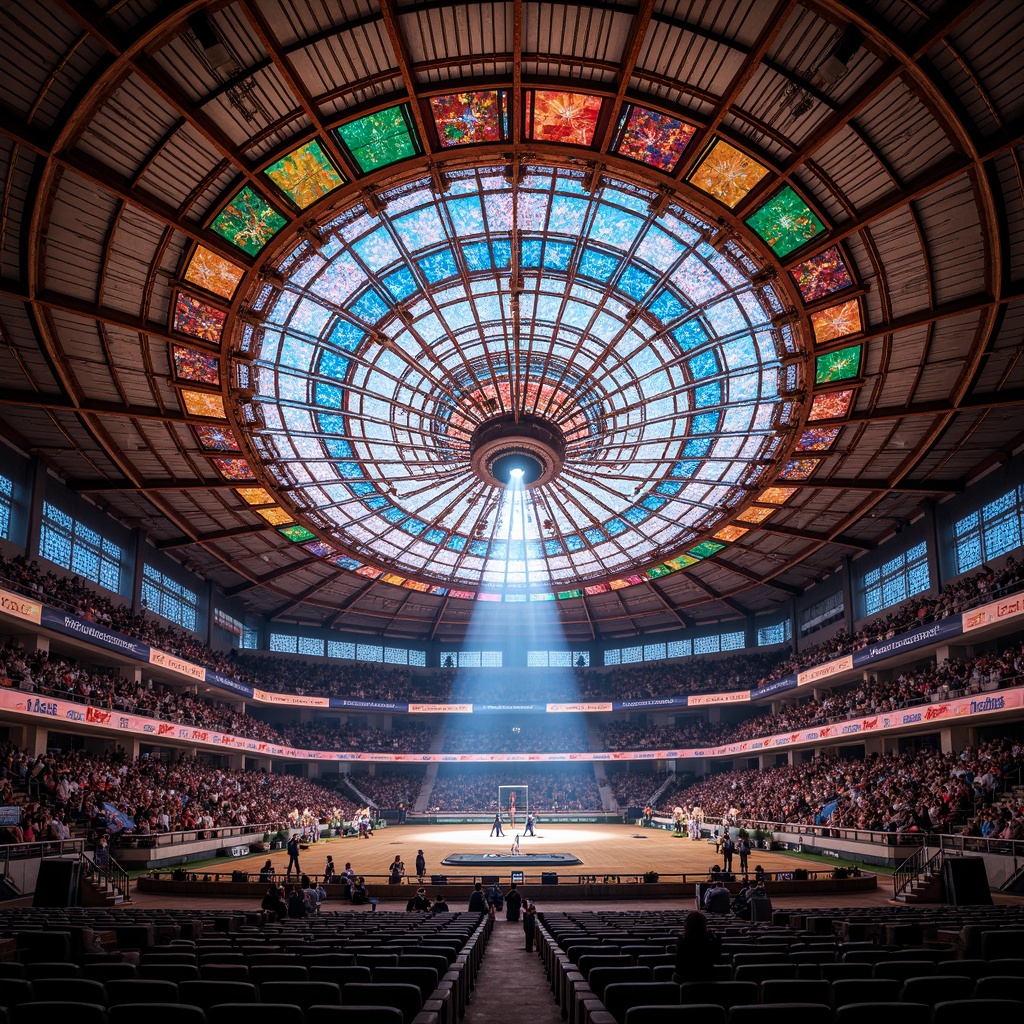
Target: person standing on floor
x=421, y=866
x=293, y=854
x=728, y=848
x=477, y=903
x=743, y=849
x=530, y=924
x=528, y=831
x=513, y=903
x=496, y=826
x=515, y=847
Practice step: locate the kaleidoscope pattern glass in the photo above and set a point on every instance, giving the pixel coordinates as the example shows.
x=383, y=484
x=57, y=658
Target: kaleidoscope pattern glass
x=463, y=118
x=730, y=533
x=376, y=364
x=785, y=222
x=379, y=139
x=248, y=221
x=196, y=364
x=833, y=405
x=653, y=138
x=234, y=469
x=754, y=514
x=798, y=469
x=305, y=175
x=202, y=403
x=727, y=173
x=216, y=439
x=211, y=271
x=836, y=321
x=566, y=117
x=274, y=516
x=198, y=319
x=822, y=275
x=776, y=495
x=840, y=365
x=817, y=439
x=254, y=495
x=297, y=534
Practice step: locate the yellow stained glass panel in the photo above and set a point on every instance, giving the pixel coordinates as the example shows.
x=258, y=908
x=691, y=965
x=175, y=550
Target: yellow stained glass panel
x=254, y=495
x=201, y=403
x=274, y=516
x=776, y=495
x=727, y=173
x=754, y=514
x=731, y=533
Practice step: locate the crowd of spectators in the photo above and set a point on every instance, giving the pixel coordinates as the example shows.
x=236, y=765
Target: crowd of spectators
x=475, y=788
x=72, y=791
x=406, y=736
x=532, y=734
x=384, y=790
x=635, y=785
x=364, y=681
x=924, y=790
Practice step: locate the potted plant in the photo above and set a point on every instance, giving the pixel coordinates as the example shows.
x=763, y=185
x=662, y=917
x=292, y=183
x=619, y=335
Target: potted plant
x=651, y=876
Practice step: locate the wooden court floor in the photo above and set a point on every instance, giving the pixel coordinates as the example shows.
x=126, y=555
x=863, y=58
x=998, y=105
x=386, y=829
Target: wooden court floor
x=619, y=850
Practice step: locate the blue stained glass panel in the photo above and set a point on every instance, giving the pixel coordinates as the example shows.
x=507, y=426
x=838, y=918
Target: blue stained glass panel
x=598, y=265
x=347, y=336
x=377, y=249
x=370, y=307
x=666, y=307
x=333, y=365
x=438, y=266
x=557, y=255
x=704, y=365
x=401, y=284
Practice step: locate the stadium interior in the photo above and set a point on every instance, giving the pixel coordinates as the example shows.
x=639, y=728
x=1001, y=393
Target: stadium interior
x=572, y=450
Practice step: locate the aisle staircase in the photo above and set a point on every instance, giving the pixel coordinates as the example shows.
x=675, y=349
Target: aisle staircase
x=919, y=878
x=604, y=787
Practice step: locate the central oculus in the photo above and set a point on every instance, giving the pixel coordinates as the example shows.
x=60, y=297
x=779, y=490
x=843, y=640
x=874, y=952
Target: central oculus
x=506, y=444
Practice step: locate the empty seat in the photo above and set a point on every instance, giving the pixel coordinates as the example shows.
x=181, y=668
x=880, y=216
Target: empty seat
x=700, y=1013
x=1010, y=966
x=14, y=991
x=372, y=960
x=406, y=998
x=278, y=1013
x=341, y=975
x=864, y=990
x=224, y=972
x=301, y=993
x=998, y=986
x=176, y=973
x=141, y=990
x=781, y=1013
x=903, y=969
x=722, y=993
x=263, y=973
x=963, y=968
x=601, y=977
x=788, y=990
x=955, y=1011
x=764, y=971
x=1002, y=944
x=884, y=1013
x=109, y=971
x=936, y=989
x=157, y=1013
x=69, y=990
x=51, y=1010
x=210, y=993
x=353, y=1015
x=619, y=997
x=52, y=969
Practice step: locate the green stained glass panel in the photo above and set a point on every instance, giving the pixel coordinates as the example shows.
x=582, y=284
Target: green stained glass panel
x=379, y=139
x=297, y=534
x=840, y=365
x=305, y=175
x=706, y=549
x=248, y=221
x=785, y=222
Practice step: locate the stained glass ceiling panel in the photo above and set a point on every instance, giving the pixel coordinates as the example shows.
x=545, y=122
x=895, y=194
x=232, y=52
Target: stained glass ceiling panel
x=785, y=222
x=653, y=138
x=248, y=221
x=462, y=118
x=381, y=357
x=379, y=139
x=822, y=275
x=566, y=117
x=208, y=270
x=305, y=175
x=727, y=173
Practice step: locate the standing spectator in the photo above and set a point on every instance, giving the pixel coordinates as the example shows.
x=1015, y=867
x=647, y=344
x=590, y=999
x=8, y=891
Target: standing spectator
x=743, y=849
x=513, y=903
x=530, y=924
x=293, y=854
x=421, y=866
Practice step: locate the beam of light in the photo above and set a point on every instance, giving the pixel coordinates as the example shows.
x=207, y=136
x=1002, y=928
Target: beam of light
x=515, y=476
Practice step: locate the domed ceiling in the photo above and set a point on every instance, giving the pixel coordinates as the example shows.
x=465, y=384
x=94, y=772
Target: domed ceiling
x=291, y=286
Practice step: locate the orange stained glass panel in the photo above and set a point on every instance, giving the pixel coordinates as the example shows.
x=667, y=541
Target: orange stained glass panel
x=568, y=117
x=776, y=495
x=274, y=516
x=727, y=173
x=754, y=514
x=211, y=271
x=730, y=533
x=833, y=405
x=254, y=495
x=201, y=403
x=836, y=321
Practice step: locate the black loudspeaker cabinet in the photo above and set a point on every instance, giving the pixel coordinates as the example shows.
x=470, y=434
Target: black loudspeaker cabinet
x=438, y=879
x=489, y=879
x=549, y=878
x=56, y=884
x=965, y=882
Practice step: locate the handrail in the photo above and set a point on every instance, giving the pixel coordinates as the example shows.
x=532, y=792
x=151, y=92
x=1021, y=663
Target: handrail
x=915, y=865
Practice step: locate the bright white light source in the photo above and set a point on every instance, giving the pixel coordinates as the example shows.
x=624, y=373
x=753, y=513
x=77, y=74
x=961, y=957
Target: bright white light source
x=516, y=473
